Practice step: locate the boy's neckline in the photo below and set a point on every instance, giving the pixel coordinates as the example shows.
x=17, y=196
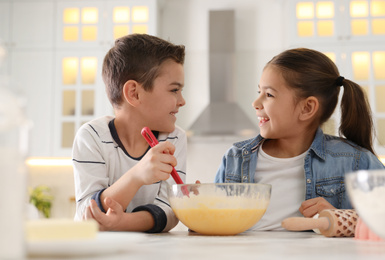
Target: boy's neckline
x=116, y=138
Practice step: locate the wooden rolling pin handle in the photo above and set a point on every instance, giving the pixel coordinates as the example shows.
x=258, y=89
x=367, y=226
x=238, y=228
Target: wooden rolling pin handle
x=300, y=224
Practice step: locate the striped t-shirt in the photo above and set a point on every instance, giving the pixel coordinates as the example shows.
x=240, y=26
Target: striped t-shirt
x=99, y=160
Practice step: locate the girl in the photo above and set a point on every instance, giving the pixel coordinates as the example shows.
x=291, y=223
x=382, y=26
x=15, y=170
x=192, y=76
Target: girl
x=298, y=92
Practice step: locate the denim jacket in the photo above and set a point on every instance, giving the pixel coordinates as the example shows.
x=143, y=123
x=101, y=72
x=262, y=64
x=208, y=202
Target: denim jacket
x=328, y=159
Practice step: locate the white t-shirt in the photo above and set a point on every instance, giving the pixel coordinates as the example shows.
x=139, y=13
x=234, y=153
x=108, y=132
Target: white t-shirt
x=99, y=161
x=286, y=175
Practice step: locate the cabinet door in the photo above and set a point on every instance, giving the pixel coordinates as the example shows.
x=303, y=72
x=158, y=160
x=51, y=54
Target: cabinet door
x=79, y=95
x=314, y=21
x=133, y=16
x=31, y=77
x=32, y=24
x=364, y=20
x=4, y=39
x=330, y=22
x=4, y=23
x=98, y=23
x=80, y=24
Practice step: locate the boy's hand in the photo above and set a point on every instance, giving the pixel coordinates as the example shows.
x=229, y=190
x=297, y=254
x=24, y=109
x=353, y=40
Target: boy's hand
x=107, y=221
x=157, y=164
x=313, y=206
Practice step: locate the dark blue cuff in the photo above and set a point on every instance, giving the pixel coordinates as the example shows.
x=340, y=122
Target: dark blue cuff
x=96, y=197
x=158, y=214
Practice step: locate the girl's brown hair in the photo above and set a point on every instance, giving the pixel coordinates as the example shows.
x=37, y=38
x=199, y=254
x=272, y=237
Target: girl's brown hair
x=312, y=73
x=136, y=57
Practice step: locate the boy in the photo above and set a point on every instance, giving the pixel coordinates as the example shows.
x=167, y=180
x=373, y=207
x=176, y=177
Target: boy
x=119, y=181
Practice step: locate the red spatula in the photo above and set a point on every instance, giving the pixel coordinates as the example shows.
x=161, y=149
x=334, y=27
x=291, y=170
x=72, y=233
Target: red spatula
x=151, y=140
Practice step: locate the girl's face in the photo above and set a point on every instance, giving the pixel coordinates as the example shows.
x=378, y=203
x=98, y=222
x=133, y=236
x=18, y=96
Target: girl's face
x=165, y=99
x=275, y=106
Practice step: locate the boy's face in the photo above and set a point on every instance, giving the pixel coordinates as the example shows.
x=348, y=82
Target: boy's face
x=161, y=105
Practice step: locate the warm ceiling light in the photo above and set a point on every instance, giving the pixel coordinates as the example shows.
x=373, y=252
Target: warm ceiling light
x=69, y=70
x=88, y=69
x=325, y=10
x=71, y=15
x=359, y=9
x=379, y=65
x=89, y=15
x=305, y=10
x=361, y=63
x=140, y=14
x=377, y=8
x=121, y=15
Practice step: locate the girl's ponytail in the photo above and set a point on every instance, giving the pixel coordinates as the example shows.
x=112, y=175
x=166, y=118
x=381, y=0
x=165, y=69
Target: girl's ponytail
x=312, y=73
x=356, y=116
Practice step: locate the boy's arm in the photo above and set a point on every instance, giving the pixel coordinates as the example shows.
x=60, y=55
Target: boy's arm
x=159, y=214
x=115, y=219
x=152, y=168
x=89, y=169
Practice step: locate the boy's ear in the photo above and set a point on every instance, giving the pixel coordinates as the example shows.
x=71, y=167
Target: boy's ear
x=309, y=108
x=130, y=92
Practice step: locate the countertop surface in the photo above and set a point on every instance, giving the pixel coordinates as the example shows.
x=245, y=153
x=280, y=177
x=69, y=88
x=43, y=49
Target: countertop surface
x=183, y=245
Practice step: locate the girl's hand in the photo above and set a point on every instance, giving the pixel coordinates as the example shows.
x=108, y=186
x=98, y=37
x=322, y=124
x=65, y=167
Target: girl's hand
x=313, y=206
x=157, y=164
x=107, y=221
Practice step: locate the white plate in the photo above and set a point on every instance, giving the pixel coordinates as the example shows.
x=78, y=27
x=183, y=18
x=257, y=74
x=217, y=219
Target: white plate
x=104, y=243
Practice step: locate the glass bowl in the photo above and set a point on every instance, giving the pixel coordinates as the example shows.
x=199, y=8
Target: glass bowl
x=366, y=191
x=219, y=208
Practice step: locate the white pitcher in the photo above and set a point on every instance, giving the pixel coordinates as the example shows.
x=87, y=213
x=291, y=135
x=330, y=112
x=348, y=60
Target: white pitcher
x=13, y=174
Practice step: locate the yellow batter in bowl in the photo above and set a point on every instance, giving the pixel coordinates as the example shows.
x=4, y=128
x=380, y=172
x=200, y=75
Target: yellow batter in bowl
x=220, y=209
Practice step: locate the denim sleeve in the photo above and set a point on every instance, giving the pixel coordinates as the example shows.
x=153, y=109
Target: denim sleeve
x=369, y=161
x=220, y=176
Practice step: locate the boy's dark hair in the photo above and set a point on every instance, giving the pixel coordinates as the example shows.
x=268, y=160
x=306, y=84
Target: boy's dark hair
x=136, y=57
x=312, y=73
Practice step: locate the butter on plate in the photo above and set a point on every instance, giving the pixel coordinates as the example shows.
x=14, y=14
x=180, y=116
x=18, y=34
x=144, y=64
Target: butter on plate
x=60, y=229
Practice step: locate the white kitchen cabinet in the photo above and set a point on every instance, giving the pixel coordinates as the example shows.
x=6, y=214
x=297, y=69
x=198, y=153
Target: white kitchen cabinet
x=27, y=24
x=352, y=34
x=336, y=21
x=4, y=22
x=32, y=24
x=4, y=38
x=85, y=24
x=79, y=95
x=134, y=16
x=26, y=30
x=31, y=78
x=40, y=36
x=80, y=24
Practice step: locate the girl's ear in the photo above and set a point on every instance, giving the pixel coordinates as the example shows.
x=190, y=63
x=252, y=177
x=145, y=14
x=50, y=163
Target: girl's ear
x=309, y=108
x=130, y=92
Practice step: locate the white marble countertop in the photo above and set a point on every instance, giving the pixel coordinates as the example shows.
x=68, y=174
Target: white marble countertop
x=182, y=245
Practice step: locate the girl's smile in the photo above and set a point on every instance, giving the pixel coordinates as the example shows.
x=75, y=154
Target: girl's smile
x=262, y=120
